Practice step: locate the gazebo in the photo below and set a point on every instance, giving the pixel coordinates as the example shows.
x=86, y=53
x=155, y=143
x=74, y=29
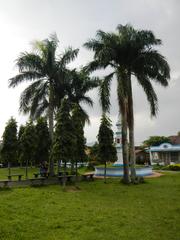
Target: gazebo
x=164, y=154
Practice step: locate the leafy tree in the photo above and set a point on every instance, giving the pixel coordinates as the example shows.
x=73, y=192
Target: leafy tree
x=1, y=160
x=43, y=141
x=28, y=142
x=64, y=141
x=49, y=74
x=129, y=52
x=107, y=150
x=93, y=154
x=20, y=147
x=78, y=125
x=156, y=141
x=9, y=144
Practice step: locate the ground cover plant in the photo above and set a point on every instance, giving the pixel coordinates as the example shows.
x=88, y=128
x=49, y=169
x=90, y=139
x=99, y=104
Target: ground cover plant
x=149, y=211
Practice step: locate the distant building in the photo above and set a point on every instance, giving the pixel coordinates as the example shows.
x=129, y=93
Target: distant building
x=142, y=156
x=175, y=139
x=118, y=143
x=165, y=153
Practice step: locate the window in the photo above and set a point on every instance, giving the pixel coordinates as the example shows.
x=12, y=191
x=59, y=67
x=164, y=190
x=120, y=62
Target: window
x=118, y=140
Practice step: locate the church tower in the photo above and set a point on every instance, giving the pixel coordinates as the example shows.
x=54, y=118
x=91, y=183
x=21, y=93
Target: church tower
x=118, y=143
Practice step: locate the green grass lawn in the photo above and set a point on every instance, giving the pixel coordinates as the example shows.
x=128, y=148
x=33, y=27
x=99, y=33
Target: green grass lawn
x=17, y=170
x=111, y=211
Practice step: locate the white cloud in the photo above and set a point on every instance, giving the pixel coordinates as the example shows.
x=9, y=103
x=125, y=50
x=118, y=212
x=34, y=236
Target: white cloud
x=75, y=22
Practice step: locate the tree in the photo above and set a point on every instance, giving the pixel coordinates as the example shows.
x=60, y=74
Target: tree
x=107, y=150
x=28, y=142
x=156, y=141
x=9, y=144
x=43, y=141
x=93, y=154
x=64, y=141
x=129, y=52
x=78, y=125
x=20, y=147
x=1, y=160
x=49, y=74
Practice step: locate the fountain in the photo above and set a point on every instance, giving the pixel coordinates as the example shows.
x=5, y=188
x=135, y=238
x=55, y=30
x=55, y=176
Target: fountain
x=117, y=168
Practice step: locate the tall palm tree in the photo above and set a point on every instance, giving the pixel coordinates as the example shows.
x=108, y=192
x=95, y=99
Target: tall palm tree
x=48, y=72
x=130, y=52
x=78, y=85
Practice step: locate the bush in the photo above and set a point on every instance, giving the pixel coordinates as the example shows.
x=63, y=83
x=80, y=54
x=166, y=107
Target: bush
x=158, y=167
x=173, y=167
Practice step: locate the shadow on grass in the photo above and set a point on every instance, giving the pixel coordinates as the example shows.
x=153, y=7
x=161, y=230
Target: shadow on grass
x=5, y=189
x=72, y=189
x=38, y=186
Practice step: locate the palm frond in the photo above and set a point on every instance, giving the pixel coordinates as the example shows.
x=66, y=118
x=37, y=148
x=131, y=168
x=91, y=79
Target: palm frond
x=69, y=55
x=92, y=66
x=154, y=65
x=86, y=100
x=22, y=77
x=27, y=95
x=104, y=92
x=150, y=94
x=41, y=109
x=29, y=62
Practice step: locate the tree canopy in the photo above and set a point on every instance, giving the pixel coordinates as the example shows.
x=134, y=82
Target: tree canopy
x=10, y=143
x=156, y=141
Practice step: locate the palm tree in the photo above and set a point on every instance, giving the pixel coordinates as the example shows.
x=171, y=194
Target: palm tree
x=130, y=52
x=48, y=73
x=78, y=85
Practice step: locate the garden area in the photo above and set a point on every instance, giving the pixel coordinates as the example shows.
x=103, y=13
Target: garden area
x=94, y=210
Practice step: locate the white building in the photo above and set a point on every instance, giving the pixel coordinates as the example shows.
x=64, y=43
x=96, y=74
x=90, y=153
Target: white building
x=118, y=142
x=165, y=154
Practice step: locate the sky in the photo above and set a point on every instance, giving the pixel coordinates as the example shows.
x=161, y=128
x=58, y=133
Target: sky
x=23, y=21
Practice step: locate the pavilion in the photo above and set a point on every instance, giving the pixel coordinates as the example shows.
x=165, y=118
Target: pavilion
x=164, y=154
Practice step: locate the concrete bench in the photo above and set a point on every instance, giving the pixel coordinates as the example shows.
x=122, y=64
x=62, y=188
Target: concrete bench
x=36, y=181
x=5, y=183
x=68, y=178
x=88, y=176
x=15, y=175
x=60, y=174
x=36, y=175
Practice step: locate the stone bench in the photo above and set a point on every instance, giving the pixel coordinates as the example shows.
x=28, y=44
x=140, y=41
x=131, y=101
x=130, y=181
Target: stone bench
x=15, y=175
x=37, y=181
x=88, y=176
x=68, y=178
x=4, y=183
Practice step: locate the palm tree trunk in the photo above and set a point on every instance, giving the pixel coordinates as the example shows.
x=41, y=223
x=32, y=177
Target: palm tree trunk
x=123, y=108
x=51, y=126
x=125, y=146
x=132, y=157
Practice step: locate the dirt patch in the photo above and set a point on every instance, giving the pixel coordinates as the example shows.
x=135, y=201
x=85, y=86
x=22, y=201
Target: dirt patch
x=154, y=175
x=72, y=189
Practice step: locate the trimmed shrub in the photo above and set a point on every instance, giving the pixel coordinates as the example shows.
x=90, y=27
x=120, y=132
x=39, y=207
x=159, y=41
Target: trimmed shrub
x=173, y=167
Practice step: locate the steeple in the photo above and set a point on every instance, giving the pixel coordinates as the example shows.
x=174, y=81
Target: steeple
x=118, y=142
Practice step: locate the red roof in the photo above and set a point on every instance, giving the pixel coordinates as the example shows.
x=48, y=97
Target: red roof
x=175, y=139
